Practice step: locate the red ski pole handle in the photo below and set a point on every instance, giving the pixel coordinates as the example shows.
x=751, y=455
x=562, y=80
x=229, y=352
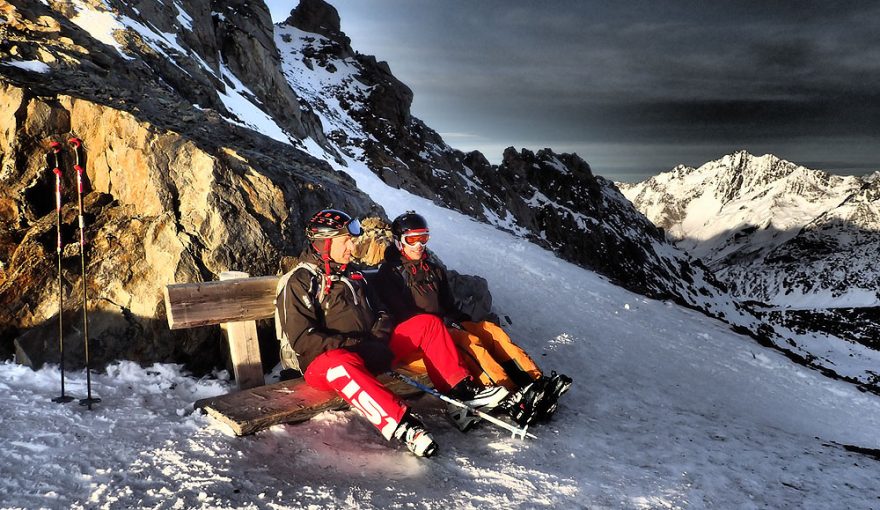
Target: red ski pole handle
x=77, y=144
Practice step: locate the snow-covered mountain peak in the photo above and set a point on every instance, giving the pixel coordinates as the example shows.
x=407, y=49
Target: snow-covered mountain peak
x=775, y=232
x=738, y=194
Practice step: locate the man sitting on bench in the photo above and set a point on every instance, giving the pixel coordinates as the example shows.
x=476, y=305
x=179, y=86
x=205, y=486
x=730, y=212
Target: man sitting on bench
x=331, y=333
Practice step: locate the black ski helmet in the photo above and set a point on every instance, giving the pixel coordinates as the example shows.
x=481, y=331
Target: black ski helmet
x=406, y=222
x=329, y=223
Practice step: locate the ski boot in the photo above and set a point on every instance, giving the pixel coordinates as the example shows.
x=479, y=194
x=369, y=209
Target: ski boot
x=524, y=405
x=475, y=397
x=556, y=386
x=412, y=433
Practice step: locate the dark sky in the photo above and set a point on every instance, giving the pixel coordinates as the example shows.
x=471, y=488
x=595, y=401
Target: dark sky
x=636, y=87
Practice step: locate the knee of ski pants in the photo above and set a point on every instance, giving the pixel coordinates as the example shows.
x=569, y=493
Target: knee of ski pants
x=316, y=373
x=415, y=333
x=486, y=331
x=466, y=339
x=426, y=322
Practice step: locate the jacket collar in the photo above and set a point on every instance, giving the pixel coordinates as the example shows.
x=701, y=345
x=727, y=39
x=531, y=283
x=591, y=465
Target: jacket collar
x=314, y=258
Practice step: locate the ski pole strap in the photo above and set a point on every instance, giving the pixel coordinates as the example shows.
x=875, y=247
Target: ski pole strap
x=56, y=148
x=516, y=431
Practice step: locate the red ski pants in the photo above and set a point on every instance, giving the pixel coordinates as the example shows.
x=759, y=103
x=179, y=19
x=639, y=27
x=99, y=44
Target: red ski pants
x=345, y=372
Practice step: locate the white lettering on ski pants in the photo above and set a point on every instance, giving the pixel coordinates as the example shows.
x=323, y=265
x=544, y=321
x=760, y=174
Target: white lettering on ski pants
x=363, y=403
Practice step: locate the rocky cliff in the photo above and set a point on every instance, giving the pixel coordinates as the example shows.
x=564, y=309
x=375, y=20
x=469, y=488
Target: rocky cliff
x=178, y=187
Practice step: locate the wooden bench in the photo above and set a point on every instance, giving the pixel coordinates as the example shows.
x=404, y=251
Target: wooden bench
x=236, y=302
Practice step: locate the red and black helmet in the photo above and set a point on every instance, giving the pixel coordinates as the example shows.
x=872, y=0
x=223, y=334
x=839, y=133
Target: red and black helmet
x=330, y=223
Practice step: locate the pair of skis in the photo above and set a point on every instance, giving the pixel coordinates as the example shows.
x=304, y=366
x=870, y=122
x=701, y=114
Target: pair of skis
x=56, y=150
x=520, y=432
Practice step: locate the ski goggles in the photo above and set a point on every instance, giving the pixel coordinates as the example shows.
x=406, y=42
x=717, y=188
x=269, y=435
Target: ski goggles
x=416, y=237
x=354, y=227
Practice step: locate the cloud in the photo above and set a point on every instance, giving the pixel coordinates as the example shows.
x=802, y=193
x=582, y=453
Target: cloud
x=450, y=135
x=682, y=74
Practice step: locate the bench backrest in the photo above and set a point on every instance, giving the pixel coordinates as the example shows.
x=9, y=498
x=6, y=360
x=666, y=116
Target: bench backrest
x=188, y=305
x=235, y=302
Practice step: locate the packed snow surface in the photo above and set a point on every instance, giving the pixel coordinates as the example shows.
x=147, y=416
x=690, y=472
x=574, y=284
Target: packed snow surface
x=669, y=409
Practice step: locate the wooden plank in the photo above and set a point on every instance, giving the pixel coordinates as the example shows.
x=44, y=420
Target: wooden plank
x=244, y=346
x=200, y=304
x=244, y=352
x=249, y=411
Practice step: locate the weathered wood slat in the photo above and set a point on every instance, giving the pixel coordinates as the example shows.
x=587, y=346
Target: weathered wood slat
x=244, y=346
x=188, y=305
x=249, y=411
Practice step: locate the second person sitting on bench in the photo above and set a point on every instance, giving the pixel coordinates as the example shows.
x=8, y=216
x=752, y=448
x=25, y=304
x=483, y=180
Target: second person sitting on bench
x=411, y=282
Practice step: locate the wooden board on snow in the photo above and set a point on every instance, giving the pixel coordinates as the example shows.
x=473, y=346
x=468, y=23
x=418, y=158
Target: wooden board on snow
x=293, y=401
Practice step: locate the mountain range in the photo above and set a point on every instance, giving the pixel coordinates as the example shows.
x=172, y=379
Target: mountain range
x=800, y=245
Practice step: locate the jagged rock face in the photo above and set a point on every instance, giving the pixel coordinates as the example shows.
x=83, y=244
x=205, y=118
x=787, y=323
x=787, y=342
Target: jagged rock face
x=319, y=17
x=179, y=69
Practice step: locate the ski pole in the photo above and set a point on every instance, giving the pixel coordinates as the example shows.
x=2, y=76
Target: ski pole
x=56, y=148
x=77, y=144
x=516, y=431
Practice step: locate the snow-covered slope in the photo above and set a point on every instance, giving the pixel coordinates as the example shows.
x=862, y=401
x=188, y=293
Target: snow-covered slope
x=670, y=409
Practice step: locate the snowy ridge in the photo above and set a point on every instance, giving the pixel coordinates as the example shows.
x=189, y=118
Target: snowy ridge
x=799, y=244
x=108, y=23
x=773, y=231
x=323, y=89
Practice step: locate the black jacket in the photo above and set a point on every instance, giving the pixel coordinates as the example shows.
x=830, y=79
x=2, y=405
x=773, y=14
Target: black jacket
x=412, y=287
x=343, y=318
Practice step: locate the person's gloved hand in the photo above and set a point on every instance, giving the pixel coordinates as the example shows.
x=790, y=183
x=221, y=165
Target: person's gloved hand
x=381, y=330
x=377, y=355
